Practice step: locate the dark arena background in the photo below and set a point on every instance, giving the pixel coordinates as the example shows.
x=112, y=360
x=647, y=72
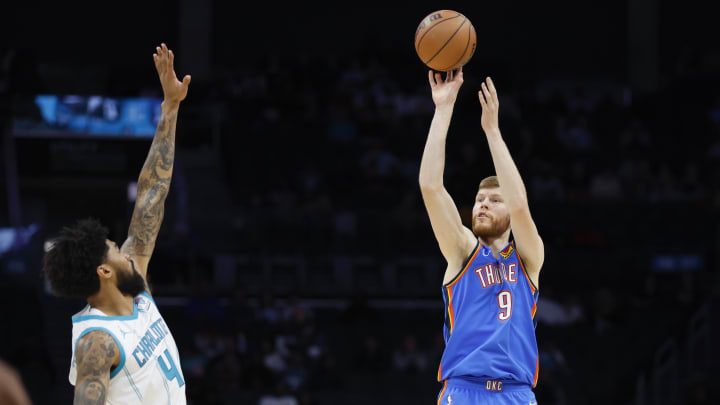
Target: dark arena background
x=296, y=258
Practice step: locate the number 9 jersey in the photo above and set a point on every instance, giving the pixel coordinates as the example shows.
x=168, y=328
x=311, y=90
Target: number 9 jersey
x=149, y=369
x=489, y=320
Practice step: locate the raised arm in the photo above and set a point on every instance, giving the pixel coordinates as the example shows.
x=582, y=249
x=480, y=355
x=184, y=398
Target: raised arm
x=154, y=181
x=527, y=240
x=455, y=240
x=95, y=355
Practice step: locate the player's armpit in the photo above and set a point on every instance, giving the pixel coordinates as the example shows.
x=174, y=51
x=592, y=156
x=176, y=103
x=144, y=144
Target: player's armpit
x=455, y=240
x=95, y=355
x=528, y=242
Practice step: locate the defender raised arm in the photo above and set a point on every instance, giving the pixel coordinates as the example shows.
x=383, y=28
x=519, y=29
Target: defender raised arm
x=455, y=240
x=154, y=181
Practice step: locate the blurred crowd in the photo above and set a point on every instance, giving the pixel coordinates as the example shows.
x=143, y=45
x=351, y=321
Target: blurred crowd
x=321, y=157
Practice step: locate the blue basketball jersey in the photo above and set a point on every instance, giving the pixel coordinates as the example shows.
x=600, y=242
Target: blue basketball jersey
x=489, y=320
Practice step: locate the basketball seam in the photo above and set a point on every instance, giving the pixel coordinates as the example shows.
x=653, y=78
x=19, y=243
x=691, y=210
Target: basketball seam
x=464, y=50
x=417, y=45
x=447, y=42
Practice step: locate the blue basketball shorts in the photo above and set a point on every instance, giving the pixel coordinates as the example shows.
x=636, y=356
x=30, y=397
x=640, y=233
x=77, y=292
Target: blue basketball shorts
x=460, y=391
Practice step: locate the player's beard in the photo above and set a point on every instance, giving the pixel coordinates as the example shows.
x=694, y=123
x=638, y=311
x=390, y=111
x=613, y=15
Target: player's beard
x=130, y=282
x=492, y=230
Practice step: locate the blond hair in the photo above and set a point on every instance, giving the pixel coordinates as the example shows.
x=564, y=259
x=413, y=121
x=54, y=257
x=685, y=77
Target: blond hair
x=489, y=182
x=492, y=182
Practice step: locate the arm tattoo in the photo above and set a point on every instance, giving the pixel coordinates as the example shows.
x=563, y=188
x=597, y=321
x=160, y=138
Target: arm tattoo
x=94, y=355
x=90, y=392
x=153, y=187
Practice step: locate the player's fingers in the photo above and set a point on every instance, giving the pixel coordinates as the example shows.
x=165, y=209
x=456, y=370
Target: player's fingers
x=186, y=80
x=159, y=65
x=491, y=86
x=450, y=75
x=171, y=62
x=430, y=78
x=159, y=51
x=438, y=78
x=163, y=55
x=166, y=60
x=482, y=99
x=486, y=92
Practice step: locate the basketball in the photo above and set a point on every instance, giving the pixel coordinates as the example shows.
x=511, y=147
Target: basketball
x=445, y=40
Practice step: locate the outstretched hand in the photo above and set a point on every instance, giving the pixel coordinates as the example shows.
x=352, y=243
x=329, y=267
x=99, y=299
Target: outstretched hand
x=173, y=90
x=490, y=106
x=444, y=92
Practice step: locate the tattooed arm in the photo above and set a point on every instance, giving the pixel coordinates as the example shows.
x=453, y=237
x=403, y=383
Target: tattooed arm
x=95, y=355
x=154, y=181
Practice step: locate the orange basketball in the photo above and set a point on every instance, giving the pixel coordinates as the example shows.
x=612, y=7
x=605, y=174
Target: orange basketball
x=445, y=40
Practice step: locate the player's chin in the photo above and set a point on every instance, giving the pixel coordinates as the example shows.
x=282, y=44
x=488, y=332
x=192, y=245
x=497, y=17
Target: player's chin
x=480, y=228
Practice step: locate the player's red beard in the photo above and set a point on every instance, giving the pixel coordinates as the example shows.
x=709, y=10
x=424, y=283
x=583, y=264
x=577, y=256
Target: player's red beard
x=492, y=228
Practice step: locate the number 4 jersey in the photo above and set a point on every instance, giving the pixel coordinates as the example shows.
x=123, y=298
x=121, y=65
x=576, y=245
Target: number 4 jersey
x=149, y=369
x=489, y=320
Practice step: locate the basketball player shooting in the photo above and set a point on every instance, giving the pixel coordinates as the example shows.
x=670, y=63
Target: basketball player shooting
x=490, y=284
x=123, y=352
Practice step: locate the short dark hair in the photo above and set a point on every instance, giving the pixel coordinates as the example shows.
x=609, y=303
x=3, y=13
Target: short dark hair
x=71, y=262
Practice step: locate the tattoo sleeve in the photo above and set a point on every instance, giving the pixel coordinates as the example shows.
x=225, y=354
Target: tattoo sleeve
x=152, y=188
x=95, y=354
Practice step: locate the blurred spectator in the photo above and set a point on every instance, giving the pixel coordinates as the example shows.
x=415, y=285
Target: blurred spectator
x=242, y=316
x=553, y=312
x=328, y=375
x=193, y=360
x=204, y=309
x=273, y=359
x=279, y=396
x=605, y=185
x=341, y=126
x=545, y=184
x=554, y=376
x=269, y=310
x=409, y=357
x=12, y=389
x=371, y=357
x=225, y=369
x=605, y=315
x=378, y=162
x=575, y=136
x=296, y=372
x=295, y=311
x=635, y=137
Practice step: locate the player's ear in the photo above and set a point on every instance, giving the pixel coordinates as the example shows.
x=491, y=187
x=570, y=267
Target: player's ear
x=104, y=271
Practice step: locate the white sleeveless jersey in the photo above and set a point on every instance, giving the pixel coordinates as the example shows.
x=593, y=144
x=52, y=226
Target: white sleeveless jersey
x=149, y=369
